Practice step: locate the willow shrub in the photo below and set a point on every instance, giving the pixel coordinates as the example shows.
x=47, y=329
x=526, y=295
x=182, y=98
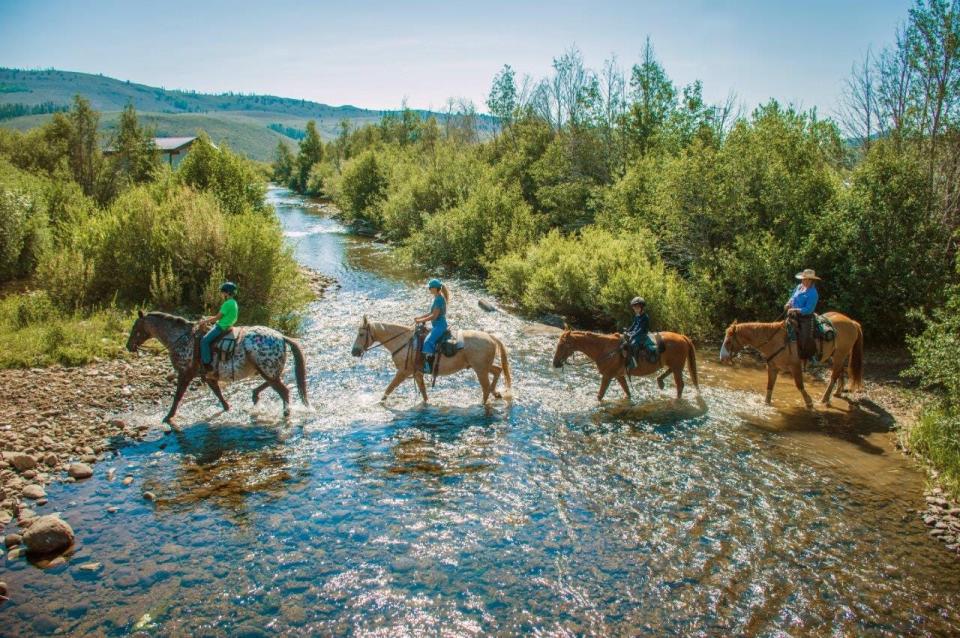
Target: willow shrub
x=491, y=222
x=591, y=278
x=421, y=185
x=24, y=222
x=167, y=246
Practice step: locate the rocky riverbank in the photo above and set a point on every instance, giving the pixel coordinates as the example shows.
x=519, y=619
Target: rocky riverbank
x=56, y=423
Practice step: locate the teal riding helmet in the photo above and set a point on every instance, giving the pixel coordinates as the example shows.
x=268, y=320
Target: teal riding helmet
x=434, y=283
x=229, y=287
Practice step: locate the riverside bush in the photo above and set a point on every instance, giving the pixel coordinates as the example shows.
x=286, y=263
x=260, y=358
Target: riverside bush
x=491, y=222
x=591, y=278
x=165, y=245
x=34, y=332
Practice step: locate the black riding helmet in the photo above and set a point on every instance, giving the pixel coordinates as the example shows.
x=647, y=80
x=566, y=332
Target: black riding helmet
x=638, y=301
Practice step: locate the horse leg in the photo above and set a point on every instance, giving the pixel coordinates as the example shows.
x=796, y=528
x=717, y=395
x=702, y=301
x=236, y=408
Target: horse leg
x=678, y=380
x=284, y=393
x=772, y=374
x=798, y=380
x=604, y=384
x=397, y=380
x=495, y=370
x=662, y=377
x=622, y=380
x=215, y=386
x=835, y=375
x=257, y=390
x=484, y=379
x=183, y=381
x=421, y=384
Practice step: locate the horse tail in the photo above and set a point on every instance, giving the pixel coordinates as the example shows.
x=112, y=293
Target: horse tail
x=504, y=362
x=692, y=362
x=856, y=360
x=300, y=368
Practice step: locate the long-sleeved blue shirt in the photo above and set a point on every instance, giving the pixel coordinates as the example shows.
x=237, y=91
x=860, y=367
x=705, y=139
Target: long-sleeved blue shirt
x=639, y=327
x=804, y=300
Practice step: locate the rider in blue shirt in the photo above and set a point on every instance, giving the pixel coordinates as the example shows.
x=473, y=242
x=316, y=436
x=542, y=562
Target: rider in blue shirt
x=438, y=322
x=800, y=312
x=805, y=295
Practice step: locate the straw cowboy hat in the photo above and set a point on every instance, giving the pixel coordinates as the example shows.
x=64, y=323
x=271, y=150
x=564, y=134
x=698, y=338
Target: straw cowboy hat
x=808, y=273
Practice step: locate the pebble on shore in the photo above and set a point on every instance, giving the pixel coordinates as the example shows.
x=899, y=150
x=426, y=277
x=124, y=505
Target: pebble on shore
x=943, y=517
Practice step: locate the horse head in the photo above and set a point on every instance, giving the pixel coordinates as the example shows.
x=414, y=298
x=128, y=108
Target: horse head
x=564, y=349
x=731, y=344
x=364, y=338
x=138, y=333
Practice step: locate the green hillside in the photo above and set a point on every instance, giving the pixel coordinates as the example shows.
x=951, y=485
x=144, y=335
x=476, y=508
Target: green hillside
x=242, y=121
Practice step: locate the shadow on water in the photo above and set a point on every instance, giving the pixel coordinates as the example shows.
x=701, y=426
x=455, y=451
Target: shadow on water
x=849, y=420
x=223, y=465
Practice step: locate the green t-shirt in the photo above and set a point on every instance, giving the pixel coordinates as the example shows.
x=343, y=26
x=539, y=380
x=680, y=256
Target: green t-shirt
x=229, y=310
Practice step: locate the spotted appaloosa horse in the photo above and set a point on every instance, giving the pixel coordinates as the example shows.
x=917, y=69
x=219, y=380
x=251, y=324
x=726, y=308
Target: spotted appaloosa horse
x=260, y=350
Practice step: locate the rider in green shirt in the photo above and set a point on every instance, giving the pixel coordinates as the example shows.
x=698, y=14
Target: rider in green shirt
x=223, y=320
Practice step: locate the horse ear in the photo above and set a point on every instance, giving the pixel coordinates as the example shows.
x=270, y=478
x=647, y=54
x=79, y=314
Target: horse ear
x=566, y=327
x=365, y=320
x=140, y=313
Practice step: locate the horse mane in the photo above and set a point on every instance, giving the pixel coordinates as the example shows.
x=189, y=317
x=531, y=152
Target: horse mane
x=171, y=318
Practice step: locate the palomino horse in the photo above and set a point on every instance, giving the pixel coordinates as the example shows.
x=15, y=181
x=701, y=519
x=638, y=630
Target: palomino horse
x=479, y=351
x=606, y=353
x=259, y=350
x=781, y=355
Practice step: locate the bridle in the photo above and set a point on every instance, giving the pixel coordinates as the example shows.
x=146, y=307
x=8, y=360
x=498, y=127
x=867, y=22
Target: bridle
x=736, y=346
x=369, y=338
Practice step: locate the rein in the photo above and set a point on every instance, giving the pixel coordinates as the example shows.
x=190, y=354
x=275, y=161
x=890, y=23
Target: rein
x=733, y=337
x=368, y=336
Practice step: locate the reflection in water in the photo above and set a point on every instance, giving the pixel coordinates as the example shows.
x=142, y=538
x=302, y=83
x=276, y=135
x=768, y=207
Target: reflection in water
x=222, y=465
x=550, y=515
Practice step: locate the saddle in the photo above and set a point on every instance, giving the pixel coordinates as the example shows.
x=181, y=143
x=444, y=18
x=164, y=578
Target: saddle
x=653, y=345
x=810, y=332
x=448, y=346
x=222, y=348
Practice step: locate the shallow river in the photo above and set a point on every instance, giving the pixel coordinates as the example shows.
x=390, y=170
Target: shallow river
x=549, y=515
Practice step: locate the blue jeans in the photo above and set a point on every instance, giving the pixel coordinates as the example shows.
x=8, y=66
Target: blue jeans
x=436, y=333
x=206, y=356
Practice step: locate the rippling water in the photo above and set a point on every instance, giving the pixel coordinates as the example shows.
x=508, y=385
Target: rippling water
x=548, y=515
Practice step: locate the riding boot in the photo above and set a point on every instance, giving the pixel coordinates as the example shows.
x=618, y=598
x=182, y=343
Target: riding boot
x=428, y=363
x=631, y=362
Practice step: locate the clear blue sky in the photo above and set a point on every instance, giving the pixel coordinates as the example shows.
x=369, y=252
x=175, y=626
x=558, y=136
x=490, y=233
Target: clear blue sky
x=375, y=54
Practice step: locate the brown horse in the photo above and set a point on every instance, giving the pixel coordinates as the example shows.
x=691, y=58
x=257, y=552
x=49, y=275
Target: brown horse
x=479, y=351
x=781, y=355
x=605, y=351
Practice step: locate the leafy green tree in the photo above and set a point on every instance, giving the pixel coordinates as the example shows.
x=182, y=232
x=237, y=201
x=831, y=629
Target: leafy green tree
x=235, y=183
x=654, y=99
x=502, y=100
x=76, y=133
x=135, y=159
x=311, y=152
x=283, y=163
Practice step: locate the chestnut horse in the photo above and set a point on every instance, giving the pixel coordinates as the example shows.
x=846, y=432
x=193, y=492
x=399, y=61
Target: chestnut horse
x=605, y=351
x=781, y=355
x=479, y=351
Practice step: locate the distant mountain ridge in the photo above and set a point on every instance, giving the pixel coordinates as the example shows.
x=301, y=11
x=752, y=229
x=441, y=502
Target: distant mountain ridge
x=251, y=124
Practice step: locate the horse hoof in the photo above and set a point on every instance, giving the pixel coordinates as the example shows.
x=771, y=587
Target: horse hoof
x=497, y=395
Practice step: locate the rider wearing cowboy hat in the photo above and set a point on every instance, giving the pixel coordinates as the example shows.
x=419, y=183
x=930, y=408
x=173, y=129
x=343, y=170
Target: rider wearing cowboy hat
x=805, y=296
x=799, y=309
